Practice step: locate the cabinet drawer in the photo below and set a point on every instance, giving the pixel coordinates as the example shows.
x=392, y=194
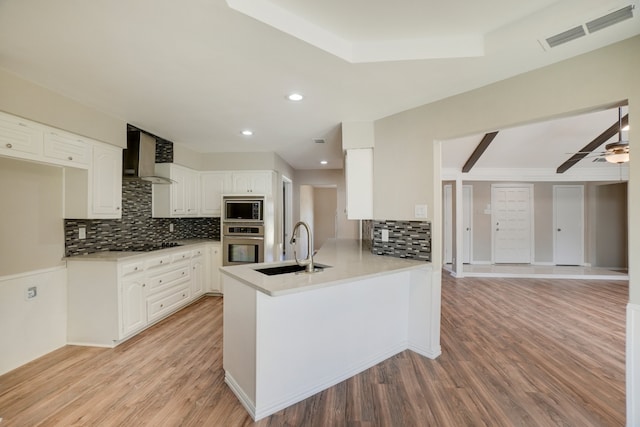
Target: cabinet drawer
x=69, y=149
x=168, y=302
x=18, y=137
x=168, y=279
x=133, y=268
x=159, y=261
x=181, y=256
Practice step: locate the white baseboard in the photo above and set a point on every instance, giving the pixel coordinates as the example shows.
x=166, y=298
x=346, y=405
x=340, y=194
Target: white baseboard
x=248, y=404
x=633, y=365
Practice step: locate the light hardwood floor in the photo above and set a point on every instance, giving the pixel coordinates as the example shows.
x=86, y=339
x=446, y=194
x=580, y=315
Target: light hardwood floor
x=516, y=352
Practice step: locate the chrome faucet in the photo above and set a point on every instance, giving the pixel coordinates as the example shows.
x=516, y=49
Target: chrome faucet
x=307, y=262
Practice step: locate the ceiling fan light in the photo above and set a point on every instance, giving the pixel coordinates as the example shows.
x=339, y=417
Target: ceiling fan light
x=617, y=157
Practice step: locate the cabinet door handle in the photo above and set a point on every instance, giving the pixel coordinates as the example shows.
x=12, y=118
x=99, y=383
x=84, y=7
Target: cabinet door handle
x=9, y=146
x=144, y=285
x=70, y=157
x=117, y=208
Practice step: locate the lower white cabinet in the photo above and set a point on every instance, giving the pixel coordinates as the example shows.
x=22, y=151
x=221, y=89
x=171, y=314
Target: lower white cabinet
x=112, y=300
x=215, y=262
x=134, y=304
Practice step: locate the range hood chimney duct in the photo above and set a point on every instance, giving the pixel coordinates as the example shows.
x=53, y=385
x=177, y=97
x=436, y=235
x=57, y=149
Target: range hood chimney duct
x=139, y=159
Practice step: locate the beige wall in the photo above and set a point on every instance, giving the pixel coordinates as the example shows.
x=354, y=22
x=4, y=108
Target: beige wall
x=325, y=205
x=611, y=226
x=25, y=99
x=407, y=155
x=31, y=223
x=346, y=229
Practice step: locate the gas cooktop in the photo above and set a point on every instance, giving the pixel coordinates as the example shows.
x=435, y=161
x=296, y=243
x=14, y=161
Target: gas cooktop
x=146, y=247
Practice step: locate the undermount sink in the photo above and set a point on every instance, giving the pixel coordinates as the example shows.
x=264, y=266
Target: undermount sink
x=286, y=269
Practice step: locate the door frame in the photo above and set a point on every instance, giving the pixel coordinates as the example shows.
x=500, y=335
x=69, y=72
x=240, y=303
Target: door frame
x=555, y=220
x=468, y=211
x=532, y=246
x=286, y=252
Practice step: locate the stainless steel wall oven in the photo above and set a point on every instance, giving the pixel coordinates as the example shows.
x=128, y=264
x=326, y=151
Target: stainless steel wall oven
x=242, y=243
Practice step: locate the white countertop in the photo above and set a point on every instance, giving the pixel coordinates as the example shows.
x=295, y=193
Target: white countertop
x=115, y=256
x=347, y=260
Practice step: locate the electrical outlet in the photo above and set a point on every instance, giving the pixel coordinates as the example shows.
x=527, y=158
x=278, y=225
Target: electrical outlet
x=32, y=292
x=420, y=211
x=171, y=227
x=384, y=235
x=82, y=233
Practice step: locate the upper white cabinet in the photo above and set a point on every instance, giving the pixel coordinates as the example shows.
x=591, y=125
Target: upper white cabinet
x=259, y=182
x=92, y=170
x=67, y=149
x=96, y=192
x=212, y=187
x=359, y=180
x=181, y=198
x=106, y=182
x=20, y=138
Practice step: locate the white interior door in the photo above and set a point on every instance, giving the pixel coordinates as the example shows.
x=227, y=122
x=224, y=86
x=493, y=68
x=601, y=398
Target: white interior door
x=568, y=221
x=467, y=223
x=448, y=224
x=512, y=226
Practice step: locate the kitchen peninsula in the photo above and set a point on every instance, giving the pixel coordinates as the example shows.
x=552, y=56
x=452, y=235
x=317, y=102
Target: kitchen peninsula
x=289, y=336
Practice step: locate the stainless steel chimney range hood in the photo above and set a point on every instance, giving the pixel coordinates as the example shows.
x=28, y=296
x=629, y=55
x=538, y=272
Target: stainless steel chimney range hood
x=139, y=159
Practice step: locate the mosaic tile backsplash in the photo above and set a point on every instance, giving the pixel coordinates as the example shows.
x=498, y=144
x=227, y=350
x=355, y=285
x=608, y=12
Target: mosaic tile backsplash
x=407, y=239
x=164, y=151
x=136, y=227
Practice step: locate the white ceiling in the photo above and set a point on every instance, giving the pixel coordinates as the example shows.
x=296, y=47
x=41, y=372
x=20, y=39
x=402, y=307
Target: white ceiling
x=543, y=145
x=197, y=72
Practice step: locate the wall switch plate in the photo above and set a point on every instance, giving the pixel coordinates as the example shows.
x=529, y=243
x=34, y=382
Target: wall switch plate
x=82, y=233
x=420, y=211
x=384, y=235
x=32, y=292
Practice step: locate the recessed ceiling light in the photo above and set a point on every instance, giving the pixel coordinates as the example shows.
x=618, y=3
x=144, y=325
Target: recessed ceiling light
x=247, y=132
x=323, y=162
x=295, y=97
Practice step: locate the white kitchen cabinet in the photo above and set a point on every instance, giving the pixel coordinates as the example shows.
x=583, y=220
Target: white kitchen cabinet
x=212, y=186
x=106, y=173
x=198, y=271
x=134, y=304
x=67, y=149
x=258, y=182
x=180, y=198
x=20, y=138
x=110, y=301
x=215, y=262
x=95, y=192
x=359, y=183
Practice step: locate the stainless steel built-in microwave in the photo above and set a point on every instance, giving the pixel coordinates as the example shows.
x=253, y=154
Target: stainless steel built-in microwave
x=243, y=209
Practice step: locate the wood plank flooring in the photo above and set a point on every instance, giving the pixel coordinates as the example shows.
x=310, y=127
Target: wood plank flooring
x=516, y=352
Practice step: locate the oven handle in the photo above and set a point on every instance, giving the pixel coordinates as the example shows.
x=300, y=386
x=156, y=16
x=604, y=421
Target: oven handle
x=237, y=237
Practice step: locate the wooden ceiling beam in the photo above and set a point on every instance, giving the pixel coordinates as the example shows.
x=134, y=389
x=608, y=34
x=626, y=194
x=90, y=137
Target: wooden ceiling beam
x=475, y=156
x=597, y=142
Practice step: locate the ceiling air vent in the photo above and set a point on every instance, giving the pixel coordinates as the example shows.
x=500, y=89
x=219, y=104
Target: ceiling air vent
x=319, y=140
x=590, y=27
x=610, y=19
x=566, y=36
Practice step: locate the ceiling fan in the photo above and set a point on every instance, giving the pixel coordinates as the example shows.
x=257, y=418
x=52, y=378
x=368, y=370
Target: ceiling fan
x=614, y=152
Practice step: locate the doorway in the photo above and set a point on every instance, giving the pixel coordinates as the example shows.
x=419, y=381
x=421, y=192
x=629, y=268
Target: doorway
x=512, y=225
x=568, y=224
x=467, y=224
